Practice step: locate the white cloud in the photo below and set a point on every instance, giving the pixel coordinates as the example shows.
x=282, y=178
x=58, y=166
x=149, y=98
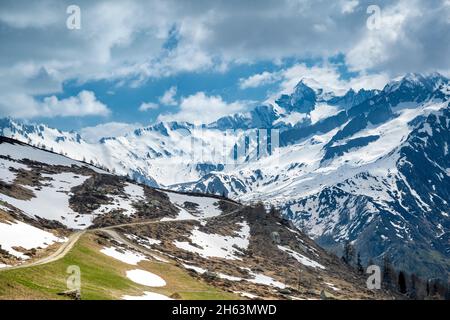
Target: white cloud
x=81, y=105
x=369, y=81
x=413, y=36
x=84, y=104
x=323, y=75
x=168, y=98
x=145, y=106
x=258, y=80
x=125, y=40
x=348, y=6
x=201, y=108
x=328, y=77
x=35, y=15
x=373, y=49
x=110, y=129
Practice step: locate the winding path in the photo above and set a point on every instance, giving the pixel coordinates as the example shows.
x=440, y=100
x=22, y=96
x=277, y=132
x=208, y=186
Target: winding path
x=65, y=248
x=58, y=254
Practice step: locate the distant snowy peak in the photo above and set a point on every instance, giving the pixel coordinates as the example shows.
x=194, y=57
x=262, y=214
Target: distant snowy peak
x=301, y=107
x=259, y=117
x=308, y=93
x=11, y=128
x=415, y=82
x=302, y=100
x=352, y=98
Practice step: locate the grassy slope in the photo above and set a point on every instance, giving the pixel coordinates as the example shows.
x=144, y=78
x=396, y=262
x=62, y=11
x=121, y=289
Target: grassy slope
x=101, y=278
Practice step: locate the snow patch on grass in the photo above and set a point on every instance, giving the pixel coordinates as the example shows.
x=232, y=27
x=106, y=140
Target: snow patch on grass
x=332, y=286
x=133, y=193
x=145, y=278
x=194, y=268
x=246, y=295
x=145, y=242
x=6, y=175
x=126, y=256
x=259, y=278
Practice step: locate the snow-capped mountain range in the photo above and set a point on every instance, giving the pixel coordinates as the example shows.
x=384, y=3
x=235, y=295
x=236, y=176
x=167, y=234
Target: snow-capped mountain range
x=371, y=167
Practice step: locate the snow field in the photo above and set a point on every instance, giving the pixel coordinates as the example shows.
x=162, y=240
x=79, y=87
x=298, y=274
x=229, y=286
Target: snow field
x=214, y=245
x=18, y=234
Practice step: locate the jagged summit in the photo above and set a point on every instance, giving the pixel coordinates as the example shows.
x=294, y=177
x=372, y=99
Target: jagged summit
x=428, y=82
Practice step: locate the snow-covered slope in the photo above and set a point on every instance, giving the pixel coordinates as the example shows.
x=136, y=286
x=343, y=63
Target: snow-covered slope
x=43, y=194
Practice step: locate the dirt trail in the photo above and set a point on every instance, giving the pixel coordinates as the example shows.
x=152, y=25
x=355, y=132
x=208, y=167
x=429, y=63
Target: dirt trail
x=58, y=254
x=65, y=248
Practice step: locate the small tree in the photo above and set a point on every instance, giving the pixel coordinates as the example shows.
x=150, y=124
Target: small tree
x=413, y=288
x=388, y=273
x=359, y=265
x=402, y=282
x=349, y=252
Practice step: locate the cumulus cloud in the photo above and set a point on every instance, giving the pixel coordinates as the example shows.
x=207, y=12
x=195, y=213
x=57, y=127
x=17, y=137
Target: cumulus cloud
x=201, y=108
x=168, y=98
x=118, y=39
x=84, y=104
x=81, y=105
x=412, y=36
x=258, y=80
x=145, y=106
x=107, y=130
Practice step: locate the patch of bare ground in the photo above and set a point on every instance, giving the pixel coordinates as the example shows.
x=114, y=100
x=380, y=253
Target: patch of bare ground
x=16, y=191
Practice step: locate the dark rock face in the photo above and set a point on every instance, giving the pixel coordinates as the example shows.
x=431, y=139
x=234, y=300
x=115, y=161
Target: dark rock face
x=339, y=150
x=352, y=98
x=292, y=136
x=302, y=100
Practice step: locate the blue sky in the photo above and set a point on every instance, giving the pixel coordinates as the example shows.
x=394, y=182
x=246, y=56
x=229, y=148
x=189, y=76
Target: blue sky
x=124, y=101
x=206, y=58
